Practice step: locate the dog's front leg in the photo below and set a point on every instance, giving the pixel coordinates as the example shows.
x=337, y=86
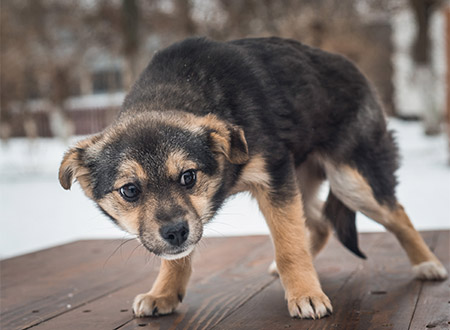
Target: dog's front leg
x=286, y=222
x=167, y=291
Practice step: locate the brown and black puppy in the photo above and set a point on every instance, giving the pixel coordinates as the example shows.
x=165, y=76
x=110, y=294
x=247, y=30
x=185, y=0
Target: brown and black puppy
x=206, y=120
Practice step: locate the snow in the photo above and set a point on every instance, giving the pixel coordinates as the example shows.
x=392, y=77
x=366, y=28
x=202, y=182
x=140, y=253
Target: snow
x=36, y=213
x=89, y=101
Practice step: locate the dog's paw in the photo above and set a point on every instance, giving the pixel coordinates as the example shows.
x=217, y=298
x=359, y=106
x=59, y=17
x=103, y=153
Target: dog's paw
x=310, y=306
x=273, y=270
x=430, y=270
x=146, y=304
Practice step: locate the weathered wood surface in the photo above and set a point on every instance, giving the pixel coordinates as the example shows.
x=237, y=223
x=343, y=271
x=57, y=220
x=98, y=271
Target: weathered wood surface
x=91, y=285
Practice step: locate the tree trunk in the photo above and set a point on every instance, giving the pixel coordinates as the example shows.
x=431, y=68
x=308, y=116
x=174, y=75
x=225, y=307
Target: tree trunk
x=130, y=29
x=60, y=125
x=421, y=53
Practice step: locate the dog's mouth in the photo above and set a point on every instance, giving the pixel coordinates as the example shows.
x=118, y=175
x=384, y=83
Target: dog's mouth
x=177, y=254
x=169, y=253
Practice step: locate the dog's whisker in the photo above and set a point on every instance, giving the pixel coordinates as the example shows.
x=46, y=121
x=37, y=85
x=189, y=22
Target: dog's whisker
x=217, y=232
x=135, y=248
x=116, y=249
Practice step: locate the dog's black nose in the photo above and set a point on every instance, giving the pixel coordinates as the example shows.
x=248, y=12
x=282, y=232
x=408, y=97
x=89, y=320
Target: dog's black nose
x=175, y=234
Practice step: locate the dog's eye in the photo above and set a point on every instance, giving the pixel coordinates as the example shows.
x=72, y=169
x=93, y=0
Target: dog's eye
x=129, y=192
x=188, y=178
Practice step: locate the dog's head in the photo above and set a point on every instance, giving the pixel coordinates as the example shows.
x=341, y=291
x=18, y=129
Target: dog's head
x=158, y=176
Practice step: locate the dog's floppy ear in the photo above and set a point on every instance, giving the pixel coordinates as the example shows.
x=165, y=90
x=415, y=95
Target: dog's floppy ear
x=231, y=142
x=72, y=166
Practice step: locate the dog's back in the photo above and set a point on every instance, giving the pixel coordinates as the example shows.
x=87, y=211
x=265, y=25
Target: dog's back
x=284, y=94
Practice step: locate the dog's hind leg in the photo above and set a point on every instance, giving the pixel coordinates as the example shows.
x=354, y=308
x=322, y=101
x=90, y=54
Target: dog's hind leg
x=350, y=186
x=310, y=177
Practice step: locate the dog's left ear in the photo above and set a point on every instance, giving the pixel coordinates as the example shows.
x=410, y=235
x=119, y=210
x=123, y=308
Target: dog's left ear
x=73, y=166
x=231, y=142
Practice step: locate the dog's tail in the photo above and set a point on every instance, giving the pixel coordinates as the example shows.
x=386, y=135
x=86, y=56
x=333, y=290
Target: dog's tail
x=344, y=222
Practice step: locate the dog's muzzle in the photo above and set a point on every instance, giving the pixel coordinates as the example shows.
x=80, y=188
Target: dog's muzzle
x=175, y=234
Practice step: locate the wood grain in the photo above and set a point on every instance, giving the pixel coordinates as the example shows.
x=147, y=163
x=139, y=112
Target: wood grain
x=41, y=294
x=268, y=309
x=382, y=294
x=212, y=299
x=229, y=289
x=114, y=309
x=433, y=306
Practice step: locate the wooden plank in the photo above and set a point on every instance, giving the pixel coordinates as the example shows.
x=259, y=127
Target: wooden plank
x=268, y=309
x=25, y=268
x=383, y=294
x=230, y=289
x=432, y=310
x=93, y=272
x=24, y=273
x=377, y=293
x=114, y=309
x=42, y=294
x=215, y=298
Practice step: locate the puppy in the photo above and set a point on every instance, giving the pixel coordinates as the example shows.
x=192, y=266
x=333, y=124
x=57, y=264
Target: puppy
x=274, y=117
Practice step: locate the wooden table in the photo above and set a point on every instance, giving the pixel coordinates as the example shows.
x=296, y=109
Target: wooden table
x=91, y=285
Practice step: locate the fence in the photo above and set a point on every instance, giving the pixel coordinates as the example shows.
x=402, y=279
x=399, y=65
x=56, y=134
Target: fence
x=85, y=121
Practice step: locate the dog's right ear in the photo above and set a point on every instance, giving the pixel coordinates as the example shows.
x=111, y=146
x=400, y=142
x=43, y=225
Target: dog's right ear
x=230, y=141
x=73, y=166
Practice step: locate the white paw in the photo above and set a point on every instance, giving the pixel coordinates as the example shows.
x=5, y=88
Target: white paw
x=430, y=270
x=148, y=305
x=273, y=270
x=310, y=307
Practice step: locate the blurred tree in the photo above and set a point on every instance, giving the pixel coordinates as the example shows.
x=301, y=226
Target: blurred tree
x=48, y=46
x=42, y=46
x=131, y=39
x=336, y=26
x=421, y=54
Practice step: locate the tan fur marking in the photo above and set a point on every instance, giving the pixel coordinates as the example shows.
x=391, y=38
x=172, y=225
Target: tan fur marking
x=292, y=255
x=318, y=229
x=72, y=167
x=173, y=276
x=126, y=215
x=128, y=171
x=287, y=226
x=84, y=179
x=254, y=176
x=310, y=177
x=177, y=162
x=354, y=191
x=201, y=204
x=205, y=189
x=255, y=173
x=222, y=145
x=168, y=289
x=414, y=245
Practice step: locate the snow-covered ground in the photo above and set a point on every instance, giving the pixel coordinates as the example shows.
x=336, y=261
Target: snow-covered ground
x=35, y=212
